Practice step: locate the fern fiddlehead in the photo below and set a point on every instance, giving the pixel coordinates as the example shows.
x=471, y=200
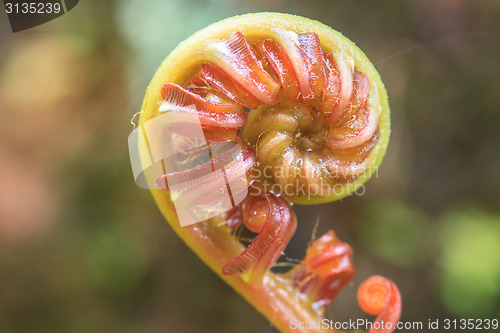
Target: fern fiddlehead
x=316, y=130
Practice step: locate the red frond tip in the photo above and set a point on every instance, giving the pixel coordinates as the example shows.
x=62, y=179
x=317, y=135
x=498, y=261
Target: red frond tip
x=220, y=121
x=234, y=69
x=326, y=269
x=380, y=297
x=275, y=233
x=255, y=214
x=298, y=61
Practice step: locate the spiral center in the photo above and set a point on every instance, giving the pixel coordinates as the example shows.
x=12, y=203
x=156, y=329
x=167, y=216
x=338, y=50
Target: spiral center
x=311, y=135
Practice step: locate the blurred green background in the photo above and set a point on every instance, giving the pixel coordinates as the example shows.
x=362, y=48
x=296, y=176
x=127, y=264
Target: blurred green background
x=82, y=249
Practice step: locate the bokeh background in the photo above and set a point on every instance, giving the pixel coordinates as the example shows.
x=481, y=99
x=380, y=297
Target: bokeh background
x=82, y=249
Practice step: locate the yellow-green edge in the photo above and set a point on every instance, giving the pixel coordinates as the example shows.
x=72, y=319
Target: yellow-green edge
x=273, y=296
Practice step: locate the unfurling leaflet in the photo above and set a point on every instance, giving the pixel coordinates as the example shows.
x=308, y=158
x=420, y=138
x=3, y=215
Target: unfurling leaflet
x=380, y=297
